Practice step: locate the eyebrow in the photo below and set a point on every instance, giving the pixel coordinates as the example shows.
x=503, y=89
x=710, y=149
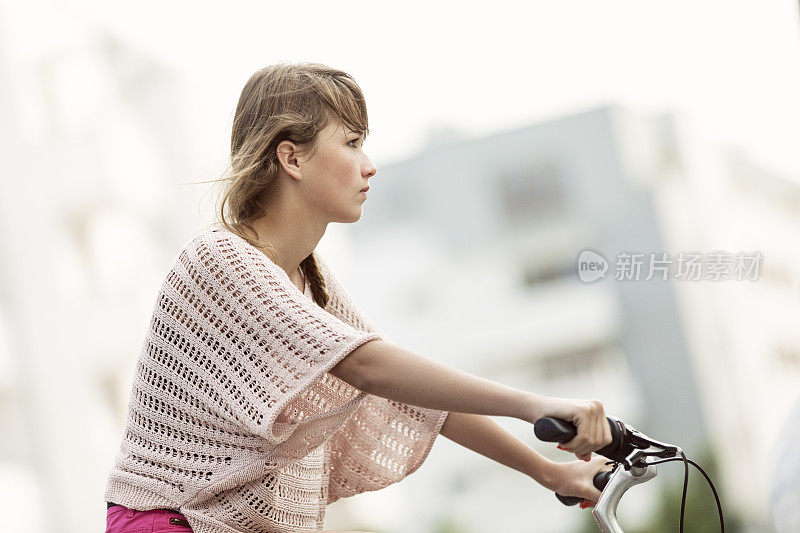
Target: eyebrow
x=360, y=135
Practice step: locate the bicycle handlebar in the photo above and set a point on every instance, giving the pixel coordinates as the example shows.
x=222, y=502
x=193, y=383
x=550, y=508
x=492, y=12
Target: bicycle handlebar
x=550, y=429
x=634, y=454
x=628, y=446
x=600, y=481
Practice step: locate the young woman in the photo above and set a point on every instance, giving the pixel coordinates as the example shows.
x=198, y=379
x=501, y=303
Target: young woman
x=262, y=392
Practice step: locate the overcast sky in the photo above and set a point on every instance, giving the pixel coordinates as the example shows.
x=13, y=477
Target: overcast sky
x=734, y=66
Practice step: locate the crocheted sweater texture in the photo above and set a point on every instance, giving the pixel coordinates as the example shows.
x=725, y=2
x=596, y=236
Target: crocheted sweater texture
x=234, y=419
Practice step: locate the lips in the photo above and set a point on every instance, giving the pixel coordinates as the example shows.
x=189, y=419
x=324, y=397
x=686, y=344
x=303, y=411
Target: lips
x=365, y=189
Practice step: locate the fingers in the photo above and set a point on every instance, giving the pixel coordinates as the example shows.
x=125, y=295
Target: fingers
x=576, y=479
x=606, y=433
x=598, y=464
x=583, y=457
x=592, y=498
x=601, y=422
x=600, y=426
x=593, y=431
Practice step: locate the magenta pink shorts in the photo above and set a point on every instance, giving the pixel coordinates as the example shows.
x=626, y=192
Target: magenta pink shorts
x=120, y=519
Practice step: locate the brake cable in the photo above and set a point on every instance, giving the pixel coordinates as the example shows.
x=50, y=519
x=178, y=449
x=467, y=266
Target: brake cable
x=629, y=448
x=686, y=463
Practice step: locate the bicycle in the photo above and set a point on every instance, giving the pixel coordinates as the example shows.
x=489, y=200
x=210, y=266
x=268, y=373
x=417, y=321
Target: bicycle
x=634, y=456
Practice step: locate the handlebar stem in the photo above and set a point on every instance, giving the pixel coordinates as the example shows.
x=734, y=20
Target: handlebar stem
x=605, y=511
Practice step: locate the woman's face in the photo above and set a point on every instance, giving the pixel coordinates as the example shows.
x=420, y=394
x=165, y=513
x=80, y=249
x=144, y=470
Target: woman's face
x=337, y=173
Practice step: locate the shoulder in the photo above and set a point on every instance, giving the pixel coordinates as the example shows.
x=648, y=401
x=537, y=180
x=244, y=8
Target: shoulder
x=216, y=251
x=218, y=241
x=214, y=235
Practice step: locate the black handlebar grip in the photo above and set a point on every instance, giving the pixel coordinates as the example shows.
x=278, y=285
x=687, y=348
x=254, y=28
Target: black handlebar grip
x=600, y=481
x=551, y=429
x=569, y=500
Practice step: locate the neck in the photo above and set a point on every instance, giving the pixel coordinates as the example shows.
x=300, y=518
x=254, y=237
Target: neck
x=293, y=234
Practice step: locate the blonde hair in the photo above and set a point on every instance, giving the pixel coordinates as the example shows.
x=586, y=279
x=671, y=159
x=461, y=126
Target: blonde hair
x=281, y=102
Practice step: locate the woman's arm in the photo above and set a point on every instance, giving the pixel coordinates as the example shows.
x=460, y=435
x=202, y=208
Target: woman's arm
x=389, y=371
x=483, y=435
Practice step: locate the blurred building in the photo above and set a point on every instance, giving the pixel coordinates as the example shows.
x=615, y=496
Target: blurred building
x=743, y=334
x=93, y=132
x=481, y=237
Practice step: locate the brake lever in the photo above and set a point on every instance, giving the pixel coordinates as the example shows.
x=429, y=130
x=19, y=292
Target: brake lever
x=643, y=447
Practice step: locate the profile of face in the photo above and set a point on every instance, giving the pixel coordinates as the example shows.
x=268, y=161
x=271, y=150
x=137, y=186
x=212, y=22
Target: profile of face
x=334, y=175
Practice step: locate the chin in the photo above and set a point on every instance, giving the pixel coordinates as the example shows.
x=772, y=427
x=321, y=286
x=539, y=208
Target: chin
x=349, y=218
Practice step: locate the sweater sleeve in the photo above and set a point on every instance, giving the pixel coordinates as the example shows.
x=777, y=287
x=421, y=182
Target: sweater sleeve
x=263, y=346
x=385, y=440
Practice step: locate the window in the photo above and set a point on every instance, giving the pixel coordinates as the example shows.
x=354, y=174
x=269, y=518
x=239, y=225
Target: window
x=532, y=192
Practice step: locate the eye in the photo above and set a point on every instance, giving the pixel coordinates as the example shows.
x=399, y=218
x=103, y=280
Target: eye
x=354, y=140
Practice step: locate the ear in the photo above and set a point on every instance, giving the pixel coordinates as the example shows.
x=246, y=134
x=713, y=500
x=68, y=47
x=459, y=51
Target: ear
x=287, y=153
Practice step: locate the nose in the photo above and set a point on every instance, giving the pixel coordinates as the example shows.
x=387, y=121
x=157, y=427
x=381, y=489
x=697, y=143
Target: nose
x=369, y=169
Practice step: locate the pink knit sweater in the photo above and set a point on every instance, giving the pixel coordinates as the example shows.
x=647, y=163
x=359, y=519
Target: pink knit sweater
x=234, y=418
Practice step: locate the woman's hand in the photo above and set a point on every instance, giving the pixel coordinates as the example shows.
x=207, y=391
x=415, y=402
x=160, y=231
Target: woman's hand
x=576, y=478
x=588, y=416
